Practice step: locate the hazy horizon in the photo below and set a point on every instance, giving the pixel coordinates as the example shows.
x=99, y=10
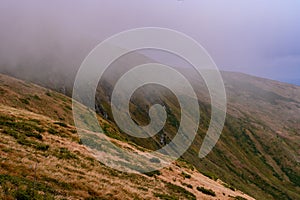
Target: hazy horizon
x=253, y=37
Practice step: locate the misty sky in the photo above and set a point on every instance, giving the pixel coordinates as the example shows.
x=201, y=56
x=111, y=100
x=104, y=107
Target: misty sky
x=260, y=37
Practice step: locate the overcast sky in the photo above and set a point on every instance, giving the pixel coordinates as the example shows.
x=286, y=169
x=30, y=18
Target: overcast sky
x=260, y=37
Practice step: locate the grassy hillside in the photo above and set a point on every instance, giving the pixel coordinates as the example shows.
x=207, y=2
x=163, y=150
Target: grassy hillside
x=27, y=96
x=258, y=151
x=42, y=156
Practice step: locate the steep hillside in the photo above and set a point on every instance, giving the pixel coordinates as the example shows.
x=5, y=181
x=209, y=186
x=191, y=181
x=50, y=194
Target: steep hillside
x=258, y=151
x=28, y=96
x=42, y=156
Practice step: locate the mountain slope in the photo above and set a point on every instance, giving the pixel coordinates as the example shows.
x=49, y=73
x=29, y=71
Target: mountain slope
x=258, y=151
x=42, y=156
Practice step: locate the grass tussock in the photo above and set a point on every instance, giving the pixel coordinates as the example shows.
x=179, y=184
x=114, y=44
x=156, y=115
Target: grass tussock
x=206, y=191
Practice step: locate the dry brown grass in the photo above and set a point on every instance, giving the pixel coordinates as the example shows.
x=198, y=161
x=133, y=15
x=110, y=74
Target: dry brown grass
x=67, y=169
x=81, y=176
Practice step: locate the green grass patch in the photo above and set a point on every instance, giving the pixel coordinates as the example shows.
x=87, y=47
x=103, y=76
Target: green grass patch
x=33, y=144
x=228, y=186
x=165, y=196
x=206, y=191
x=293, y=176
x=22, y=188
x=187, y=185
x=36, y=97
x=21, y=126
x=239, y=198
x=23, y=140
x=61, y=124
x=153, y=173
x=25, y=101
x=68, y=107
x=64, y=153
x=180, y=191
x=48, y=94
x=186, y=175
x=210, y=175
x=52, y=131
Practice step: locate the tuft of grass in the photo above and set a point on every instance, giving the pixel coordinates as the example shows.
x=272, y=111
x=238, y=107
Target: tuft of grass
x=36, y=121
x=35, y=135
x=206, y=191
x=33, y=144
x=23, y=188
x=180, y=191
x=64, y=153
x=61, y=124
x=64, y=185
x=7, y=150
x=52, y=131
x=24, y=101
x=186, y=175
x=153, y=173
x=20, y=126
x=187, y=185
x=11, y=132
x=2, y=91
x=239, y=198
x=21, y=139
x=42, y=147
x=293, y=176
x=143, y=189
x=228, y=186
x=36, y=97
x=68, y=107
x=165, y=196
x=210, y=175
